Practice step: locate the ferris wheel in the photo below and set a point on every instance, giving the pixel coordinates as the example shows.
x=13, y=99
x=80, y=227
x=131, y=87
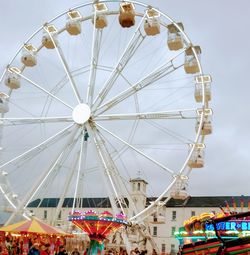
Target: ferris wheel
x=98, y=96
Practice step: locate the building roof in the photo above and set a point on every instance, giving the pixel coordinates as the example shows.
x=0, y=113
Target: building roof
x=214, y=201
x=103, y=202
x=96, y=202
x=138, y=179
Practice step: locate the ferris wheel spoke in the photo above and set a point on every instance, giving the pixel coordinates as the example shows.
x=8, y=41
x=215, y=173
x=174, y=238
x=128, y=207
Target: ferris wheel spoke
x=65, y=189
x=129, y=51
x=34, y=120
x=66, y=148
x=108, y=167
x=83, y=171
x=138, y=151
x=65, y=66
x=44, y=90
x=7, y=197
x=79, y=169
x=173, y=114
x=22, y=205
x=149, y=79
x=97, y=36
x=180, y=138
x=40, y=147
x=119, y=180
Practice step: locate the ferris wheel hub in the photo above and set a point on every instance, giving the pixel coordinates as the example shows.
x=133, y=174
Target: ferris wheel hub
x=81, y=114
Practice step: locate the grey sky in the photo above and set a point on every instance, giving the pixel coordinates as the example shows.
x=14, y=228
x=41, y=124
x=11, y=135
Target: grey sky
x=221, y=28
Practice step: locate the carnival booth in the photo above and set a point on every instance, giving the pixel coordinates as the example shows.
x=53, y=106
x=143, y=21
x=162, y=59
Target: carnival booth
x=208, y=233
x=24, y=234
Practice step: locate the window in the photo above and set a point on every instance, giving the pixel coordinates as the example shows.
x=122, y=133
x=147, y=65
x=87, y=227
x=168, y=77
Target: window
x=163, y=247
x=192, y=213
x=172, y=248
x=60, y=215
x=172, y=231
x=134, y=186
x=155, y=217
x=173, y=215
x=45, y=214
x=139, y=186
x=154, y=231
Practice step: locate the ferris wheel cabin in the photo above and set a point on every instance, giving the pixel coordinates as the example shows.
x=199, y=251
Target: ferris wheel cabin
x=191, y=64
x=158, y=217
x=179, y=194
x=199, y=81
x=197, y=158
x=127, y=14
x=175, y=39
x=100, y=20
x=73, y=25
x=206, y=128
x=152, y=24
x=29, y=55
x=12, y=79
x=49, y=39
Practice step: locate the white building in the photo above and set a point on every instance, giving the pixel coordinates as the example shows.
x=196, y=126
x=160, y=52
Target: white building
x=161, y=226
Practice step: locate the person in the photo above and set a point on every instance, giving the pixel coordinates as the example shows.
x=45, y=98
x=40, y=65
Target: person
x=15, y=248
x=62, y=250
x=34, y=250
x=137, y=251
x=44, y=249
x=86, y=251
x=8, y=245
x=154, y=252
x=75, y=252
x=110, y=252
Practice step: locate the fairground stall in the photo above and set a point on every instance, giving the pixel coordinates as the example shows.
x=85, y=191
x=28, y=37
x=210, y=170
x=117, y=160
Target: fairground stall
x=19, y=237
x=215, y=234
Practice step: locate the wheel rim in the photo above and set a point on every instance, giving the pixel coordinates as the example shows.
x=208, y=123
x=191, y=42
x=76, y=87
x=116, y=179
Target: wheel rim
x=94, y=125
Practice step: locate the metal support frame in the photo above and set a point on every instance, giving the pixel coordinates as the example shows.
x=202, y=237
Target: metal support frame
x=65, y=66
x=39, y=146
x=44, y=90
x=96, y=43
x=129, y=51
x=138, y=151
x=22, y=206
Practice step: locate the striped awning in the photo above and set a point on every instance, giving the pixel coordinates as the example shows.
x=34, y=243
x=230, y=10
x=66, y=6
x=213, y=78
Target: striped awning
x=33, y=226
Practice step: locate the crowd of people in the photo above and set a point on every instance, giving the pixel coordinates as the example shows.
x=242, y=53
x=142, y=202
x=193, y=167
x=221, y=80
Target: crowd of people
x=134, y=251
x=12, y=245
x=16, y=246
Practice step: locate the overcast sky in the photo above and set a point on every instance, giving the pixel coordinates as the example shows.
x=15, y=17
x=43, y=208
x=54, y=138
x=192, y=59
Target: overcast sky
x=221, y=28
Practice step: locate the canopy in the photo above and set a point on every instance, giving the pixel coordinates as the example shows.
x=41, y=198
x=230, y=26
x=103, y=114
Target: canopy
x=33, y=226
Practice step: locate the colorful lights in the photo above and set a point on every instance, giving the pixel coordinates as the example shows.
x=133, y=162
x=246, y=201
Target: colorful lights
x=97, y=226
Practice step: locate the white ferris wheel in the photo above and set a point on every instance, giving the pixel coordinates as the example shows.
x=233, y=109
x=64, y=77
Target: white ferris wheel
x=99, y=93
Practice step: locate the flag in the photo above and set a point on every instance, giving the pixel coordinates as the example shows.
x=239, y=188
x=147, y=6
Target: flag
x=222, y=210
x=227, y=206
x=241, y=203
x=234, y=204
